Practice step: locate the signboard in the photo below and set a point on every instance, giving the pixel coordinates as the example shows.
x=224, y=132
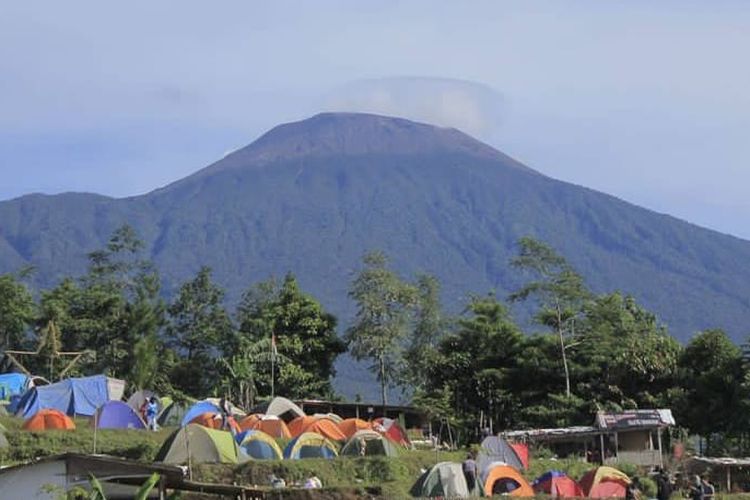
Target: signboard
x=634, y=419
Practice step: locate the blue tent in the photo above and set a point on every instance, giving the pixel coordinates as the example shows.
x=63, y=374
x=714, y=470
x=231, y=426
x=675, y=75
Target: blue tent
x=197, y=409
x=73, y=396
x=12, y=384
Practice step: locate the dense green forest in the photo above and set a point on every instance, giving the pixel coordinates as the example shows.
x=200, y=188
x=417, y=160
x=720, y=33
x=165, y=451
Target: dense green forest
x=587, y=351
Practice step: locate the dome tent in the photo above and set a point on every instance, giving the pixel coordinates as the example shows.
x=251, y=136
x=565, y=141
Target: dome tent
x=49, y=419
x=323, y=426
x=374, y=444
x=201, y=444
x=117, y=415
x=557, y=484
x=270, y=424
x=443, y=480
x=350, y=426
x=502, y=479
x=604, y=482
x=310, y=445
x=258, y=445
x=496, y=449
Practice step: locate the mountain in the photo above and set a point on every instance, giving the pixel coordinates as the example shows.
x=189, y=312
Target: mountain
x=312, y=196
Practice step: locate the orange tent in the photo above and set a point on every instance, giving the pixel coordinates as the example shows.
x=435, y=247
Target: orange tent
x=501, y=479
x=351, y=426
x=323, y=426
x=214, y=421
x=49, y=419
x=273, y=426
x=246, y=424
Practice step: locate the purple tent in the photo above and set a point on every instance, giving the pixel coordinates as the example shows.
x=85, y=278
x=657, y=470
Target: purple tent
x=117, y=415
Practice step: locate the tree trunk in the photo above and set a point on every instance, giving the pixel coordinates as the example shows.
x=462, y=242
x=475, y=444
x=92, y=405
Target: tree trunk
x=561, y=333
x=382, y=383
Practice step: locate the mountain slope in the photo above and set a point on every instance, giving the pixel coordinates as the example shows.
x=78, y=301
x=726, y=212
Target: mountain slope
x=313, y=196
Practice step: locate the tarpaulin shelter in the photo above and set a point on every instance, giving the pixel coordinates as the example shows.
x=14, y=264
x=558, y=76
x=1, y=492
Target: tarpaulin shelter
x=280, y=407
x=604, y=482
x=197, y=409
x=73, y=396
x=557, y=484
x=323, y=426
x=391, y=429
x=444, y=480
x=200, y=444
x=49, y=419
x=270, y=424
x=12, y=384
x=117, y=415
x=257, y=445
x=497, y=449
x=351, y=426
x=373, y=444
x=215, y=421
x=502, y=479
x=310, y=445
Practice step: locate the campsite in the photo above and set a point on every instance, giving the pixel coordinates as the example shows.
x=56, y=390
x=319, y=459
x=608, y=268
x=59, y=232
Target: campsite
x=76, y=422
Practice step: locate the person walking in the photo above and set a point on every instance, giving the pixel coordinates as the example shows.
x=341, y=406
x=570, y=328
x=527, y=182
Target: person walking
x=470, y=471
x=709, y=491
x=152, y=410
x=663, y=485
x=696, y=489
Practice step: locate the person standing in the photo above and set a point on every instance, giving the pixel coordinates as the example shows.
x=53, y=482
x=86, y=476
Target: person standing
x=152, y=410
x=709, y=492
x=696, y=489
x=663, y=485
x=470, y=471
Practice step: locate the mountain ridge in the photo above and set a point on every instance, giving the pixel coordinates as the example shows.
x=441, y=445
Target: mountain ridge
x=443, y=209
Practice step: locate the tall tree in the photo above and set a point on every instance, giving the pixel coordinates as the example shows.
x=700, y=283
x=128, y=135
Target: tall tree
x=198, y=327
x=17, y=311
x=558, y=289
x=384, y=304
x=430, y=325
x=306, y=343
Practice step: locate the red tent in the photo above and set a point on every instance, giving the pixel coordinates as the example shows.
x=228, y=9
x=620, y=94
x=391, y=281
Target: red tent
x=604, y=482
x=557, y=484
x=392, y=430
x=522, y=451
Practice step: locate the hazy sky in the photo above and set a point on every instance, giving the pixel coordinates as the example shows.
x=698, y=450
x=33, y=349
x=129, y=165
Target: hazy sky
x=649, y=101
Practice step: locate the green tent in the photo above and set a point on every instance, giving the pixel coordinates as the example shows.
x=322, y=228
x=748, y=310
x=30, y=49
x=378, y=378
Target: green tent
x=201, y=444
x=445, y=479
x=373, y=442
x=171, y=415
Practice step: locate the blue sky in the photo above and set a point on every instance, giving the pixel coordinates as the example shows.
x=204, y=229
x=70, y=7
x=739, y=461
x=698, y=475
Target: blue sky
x=649, y=101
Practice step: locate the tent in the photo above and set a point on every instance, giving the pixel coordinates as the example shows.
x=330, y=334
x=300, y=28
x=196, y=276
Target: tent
x=604, y=482
x=280, y=407
x=12, y=384
x=310, y=445
x=374, y=444
x=271, y=425
x=557, y=484
x=330, y=416
x=497, y=449
x=445, y=480
x=49, y=419
x=522, y=450
x=117, y=415
x=197, y=409
x=258, y=445
x=200, y=444
x=323, y=426
x=73, y=396
x=234, y=410
x=392, y=430
x=502, y=479
x=171, y=415
x=214, y=421
x=352, y=425
x=139, y=398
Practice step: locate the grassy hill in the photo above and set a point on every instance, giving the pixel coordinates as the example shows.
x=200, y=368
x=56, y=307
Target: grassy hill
x=311, y=197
